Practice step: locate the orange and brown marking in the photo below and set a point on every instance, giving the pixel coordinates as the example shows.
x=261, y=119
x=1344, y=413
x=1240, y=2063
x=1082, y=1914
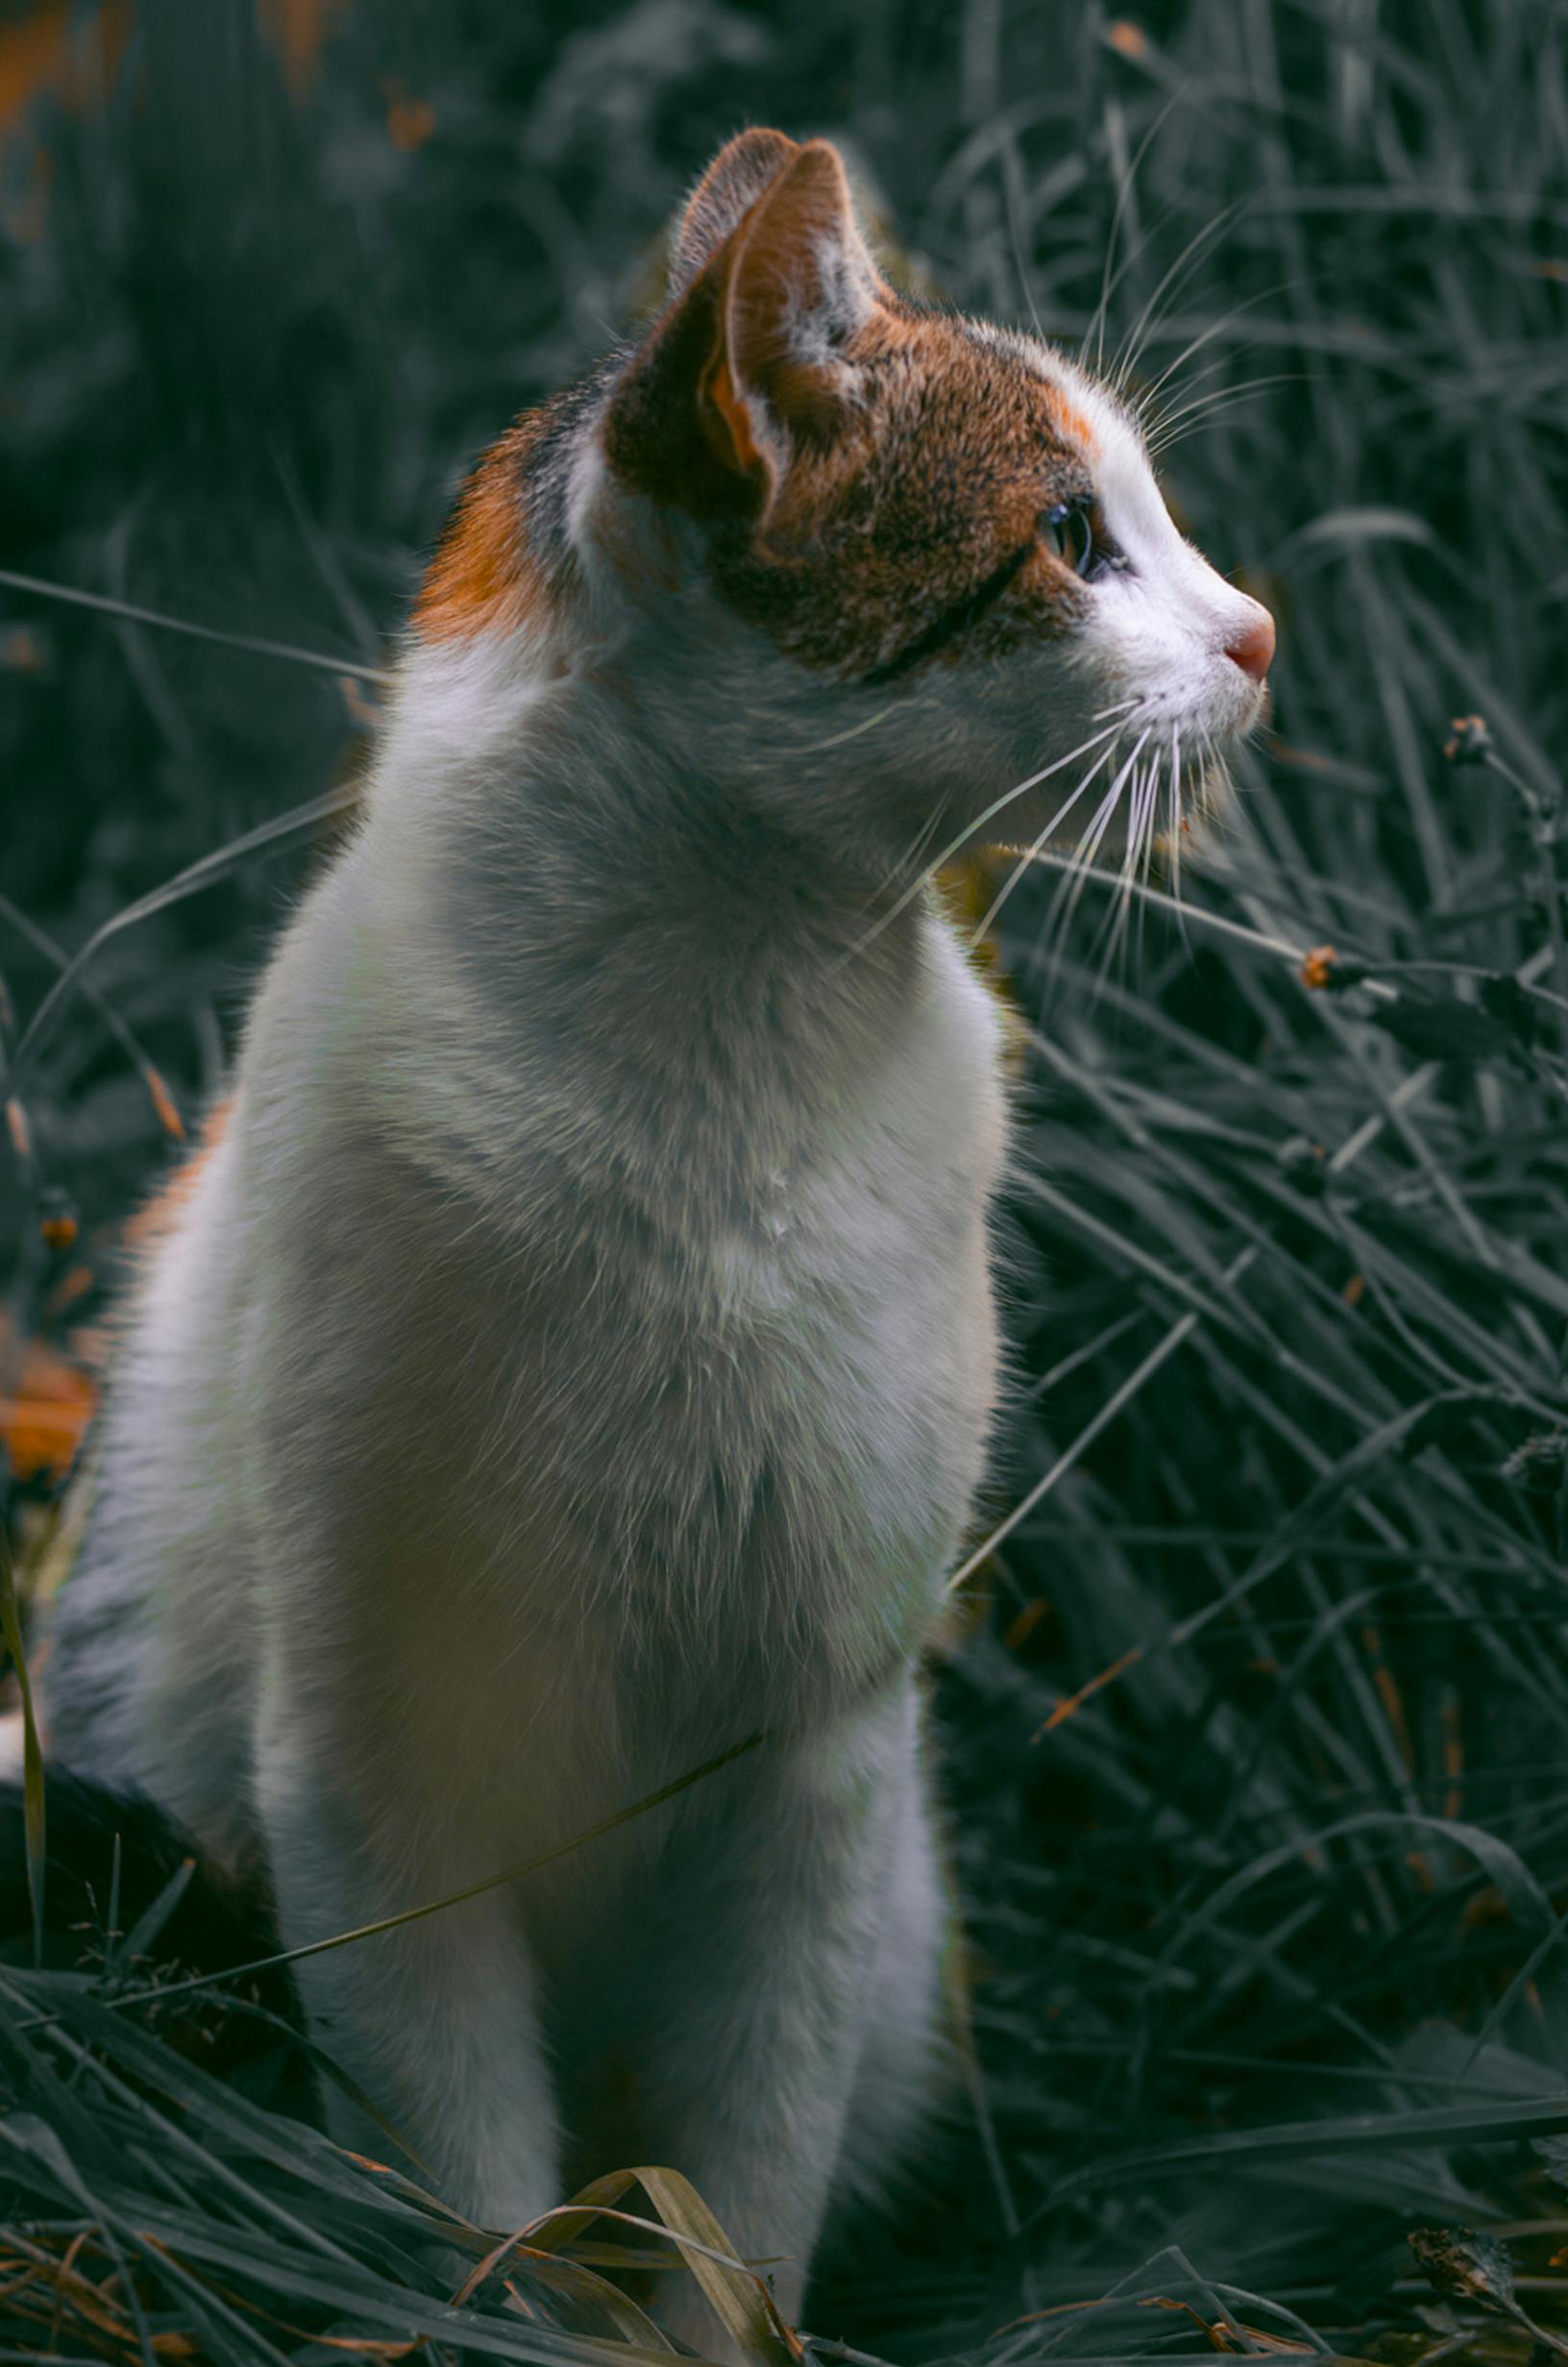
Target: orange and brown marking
x=157, y=1215
x=928, y=498
x=874, y=491
x=873, y=498
x=1070, y=422
x=484, y=578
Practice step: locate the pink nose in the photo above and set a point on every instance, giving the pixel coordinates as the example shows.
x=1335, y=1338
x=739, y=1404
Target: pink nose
x=1253, y=650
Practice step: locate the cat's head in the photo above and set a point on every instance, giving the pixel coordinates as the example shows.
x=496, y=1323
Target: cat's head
x=884, y=564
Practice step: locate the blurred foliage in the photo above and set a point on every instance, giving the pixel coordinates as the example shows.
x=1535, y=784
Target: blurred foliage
x=1255, y=1741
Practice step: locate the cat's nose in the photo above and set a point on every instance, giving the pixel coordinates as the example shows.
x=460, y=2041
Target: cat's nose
x=1253, y=650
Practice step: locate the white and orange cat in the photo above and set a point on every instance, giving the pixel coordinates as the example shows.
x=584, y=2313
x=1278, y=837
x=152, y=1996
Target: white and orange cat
x=577, y=1350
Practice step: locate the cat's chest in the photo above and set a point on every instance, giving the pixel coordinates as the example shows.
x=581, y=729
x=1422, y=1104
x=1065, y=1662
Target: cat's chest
x=750, y=1443
x=866, y=1237
x=855, y=1302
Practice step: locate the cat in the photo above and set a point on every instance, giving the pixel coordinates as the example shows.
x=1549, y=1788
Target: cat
x=574, y=1351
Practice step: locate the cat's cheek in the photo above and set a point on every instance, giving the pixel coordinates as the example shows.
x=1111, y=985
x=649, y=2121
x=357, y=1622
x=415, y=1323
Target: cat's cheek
x=1021, y=739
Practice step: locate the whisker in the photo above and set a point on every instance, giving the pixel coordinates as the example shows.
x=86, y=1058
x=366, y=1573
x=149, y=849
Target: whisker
x=1110, y=282
x=1217, y=401
x=1151, y=826
x=254, y=643
x=1027, y=857
x=1140, y=804
x=1105, y=815
x=920, y=842
x=1214, y=329
x=1143, y=326
x=1176, y=833
x=899, y=706
x=967, y=833
x=1085, y=854
x=1195, y=378
x=1151, y=834
x=1012, y=195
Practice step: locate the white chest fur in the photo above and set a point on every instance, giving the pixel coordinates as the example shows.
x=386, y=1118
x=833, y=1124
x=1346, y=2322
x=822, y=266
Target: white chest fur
x=737, y=1421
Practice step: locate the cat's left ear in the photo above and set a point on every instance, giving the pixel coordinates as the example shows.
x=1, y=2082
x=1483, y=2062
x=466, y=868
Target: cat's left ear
x=753, y=364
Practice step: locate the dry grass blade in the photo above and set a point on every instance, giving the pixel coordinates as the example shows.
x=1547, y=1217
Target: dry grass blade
x=740, y=2299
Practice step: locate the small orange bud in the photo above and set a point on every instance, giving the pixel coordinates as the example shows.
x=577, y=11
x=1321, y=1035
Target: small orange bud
x=409, y=122
x=1355, y=1291
x=1469, y=742
x=59, y=1232
x=1127, y=39
x=1319, y=962
x=21, y=652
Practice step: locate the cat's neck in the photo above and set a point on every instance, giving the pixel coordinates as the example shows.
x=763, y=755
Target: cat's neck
x=688, y=968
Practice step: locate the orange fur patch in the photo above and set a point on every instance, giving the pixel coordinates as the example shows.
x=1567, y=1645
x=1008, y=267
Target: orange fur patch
x=156, y=1217
x=720, y=390
x=911, y=499
x=1071, y=424
x=482, y=577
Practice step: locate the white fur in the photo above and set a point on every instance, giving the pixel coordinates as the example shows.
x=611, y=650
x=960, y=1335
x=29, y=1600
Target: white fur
x=1168, y=622
x=409, y=1561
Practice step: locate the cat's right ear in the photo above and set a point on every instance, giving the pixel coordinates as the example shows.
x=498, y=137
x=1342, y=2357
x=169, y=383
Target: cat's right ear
x=749, y=364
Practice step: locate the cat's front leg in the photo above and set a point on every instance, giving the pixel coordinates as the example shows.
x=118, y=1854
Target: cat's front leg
x=768, y=2010
x=436, y=2022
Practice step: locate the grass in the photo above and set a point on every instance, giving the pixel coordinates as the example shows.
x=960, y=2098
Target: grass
x=1254, y=1740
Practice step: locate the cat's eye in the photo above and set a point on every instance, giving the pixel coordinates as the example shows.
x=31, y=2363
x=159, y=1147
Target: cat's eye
x=1069, y=530
x=1074, y=532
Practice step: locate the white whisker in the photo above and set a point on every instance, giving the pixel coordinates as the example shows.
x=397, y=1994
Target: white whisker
x=1211, y=329
x=1215, y=405
x=1176, y=833
x=1143, y=326
x=1151, y=834
x=1084, y=856
x=899, y=706
x=1140, y=806
x=1109, y=280
x=967, y=833
x=1027, y=857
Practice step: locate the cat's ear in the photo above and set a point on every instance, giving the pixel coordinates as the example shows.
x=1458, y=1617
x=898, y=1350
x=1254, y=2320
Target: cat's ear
x=726, y=192
x=749, y=366
x=800, y=282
